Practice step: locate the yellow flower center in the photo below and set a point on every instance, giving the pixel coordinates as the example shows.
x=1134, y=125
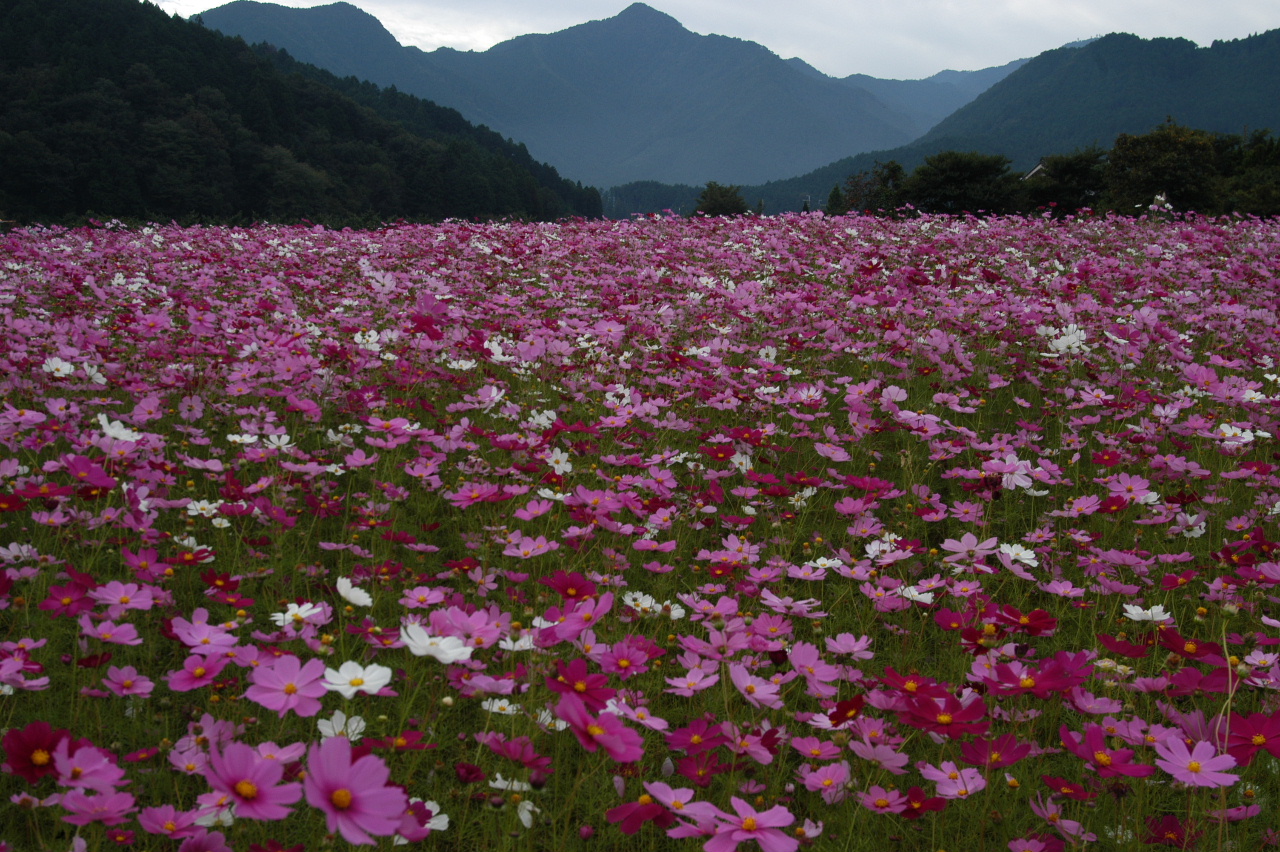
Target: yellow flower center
x=749, y=823
x=247, y=790
x=341, y=798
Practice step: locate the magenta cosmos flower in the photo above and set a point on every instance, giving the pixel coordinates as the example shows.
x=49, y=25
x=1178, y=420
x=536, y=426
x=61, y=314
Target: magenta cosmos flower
x=252, y=781
x=355, y=796
x=288, y=685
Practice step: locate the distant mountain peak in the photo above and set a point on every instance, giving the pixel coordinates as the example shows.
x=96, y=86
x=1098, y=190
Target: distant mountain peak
x=639, y=13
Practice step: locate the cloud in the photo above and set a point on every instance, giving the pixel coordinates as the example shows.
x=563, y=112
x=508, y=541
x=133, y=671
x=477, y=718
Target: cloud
x=899, y=39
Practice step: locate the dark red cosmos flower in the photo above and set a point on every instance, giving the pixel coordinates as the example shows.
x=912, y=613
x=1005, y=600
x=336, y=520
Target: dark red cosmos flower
x=920, y=803
x=946, y=715
x=702, y=768
x=407, y=741
x=633, y=815
x=1132, y=650
x=1249, y=734
x=912, y=684
x=1107, y=458
x=70, y=600
x=469, y=773
x=1035, y=623
x=1192, y=649
x=1092, y=749
x=29, y=751
x=1070, y=789
x=846, y=711
x=1168, y=830
x=1176, y=581
x=12, y=503
x=1004, y=750
x=577, y=679
x=699, y=735
x=571, y=587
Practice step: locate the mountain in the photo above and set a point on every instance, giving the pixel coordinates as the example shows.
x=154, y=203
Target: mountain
x=1073, y=97
x=633, y=97
x=113, y=108
x=1076, y=97
x=926, y=102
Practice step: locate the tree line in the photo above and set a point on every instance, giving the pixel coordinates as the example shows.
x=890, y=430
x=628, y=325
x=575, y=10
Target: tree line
x=1172, y=167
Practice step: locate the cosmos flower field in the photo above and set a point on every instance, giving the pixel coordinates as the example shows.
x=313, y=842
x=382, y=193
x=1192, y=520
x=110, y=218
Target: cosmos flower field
x=757, y=533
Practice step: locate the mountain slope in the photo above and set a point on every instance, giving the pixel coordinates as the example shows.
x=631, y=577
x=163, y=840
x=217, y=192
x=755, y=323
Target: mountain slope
x=631, y=97
x=927, y=102
x=113, y=107
x=1075, y=97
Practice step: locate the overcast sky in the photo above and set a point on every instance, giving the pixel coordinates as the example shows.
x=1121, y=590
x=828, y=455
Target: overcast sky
x=902, y=39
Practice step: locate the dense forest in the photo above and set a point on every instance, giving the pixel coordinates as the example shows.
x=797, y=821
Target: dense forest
x=113, y=108
x=1171, y=168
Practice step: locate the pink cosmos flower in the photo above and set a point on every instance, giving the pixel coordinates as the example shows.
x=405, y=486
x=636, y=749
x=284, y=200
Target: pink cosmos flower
x=106, y=808
x=82, y=766
x=127, y=681
x=354, y=795
x=1201, y=766
x=109, y=631
x=289, y=685
x=197, y=671
x=884, y=801
x=252, y=781
x=604, y=731
x=168, y=821
x=953, y=782
x=764, y=827
x=829, y=780
x=757, y=691
x=695, y=680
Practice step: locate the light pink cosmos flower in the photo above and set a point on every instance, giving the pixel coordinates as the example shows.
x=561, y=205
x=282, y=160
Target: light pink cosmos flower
x=354, y=795
x=252, y=781
x=764, y=827
x=1201, y=766
x=953, y=782
x=757, y=691
x=287, y=685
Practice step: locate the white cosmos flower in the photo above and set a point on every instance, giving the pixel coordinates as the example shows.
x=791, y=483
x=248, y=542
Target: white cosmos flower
x=500, y=706
x=1155, y=613
x=1018, y=553
x=341, y=725
x=446, y=649
x=57, y=367
x=353, y=594
x=117, y=430
x=911, y=593
x=351, y=677
x=295, y=613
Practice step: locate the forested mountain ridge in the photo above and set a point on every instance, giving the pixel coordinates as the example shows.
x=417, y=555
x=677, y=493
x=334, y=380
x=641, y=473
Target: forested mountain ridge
x=632, y=97
x=1120, y=83
x=1077, y=96
x=112, y=107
